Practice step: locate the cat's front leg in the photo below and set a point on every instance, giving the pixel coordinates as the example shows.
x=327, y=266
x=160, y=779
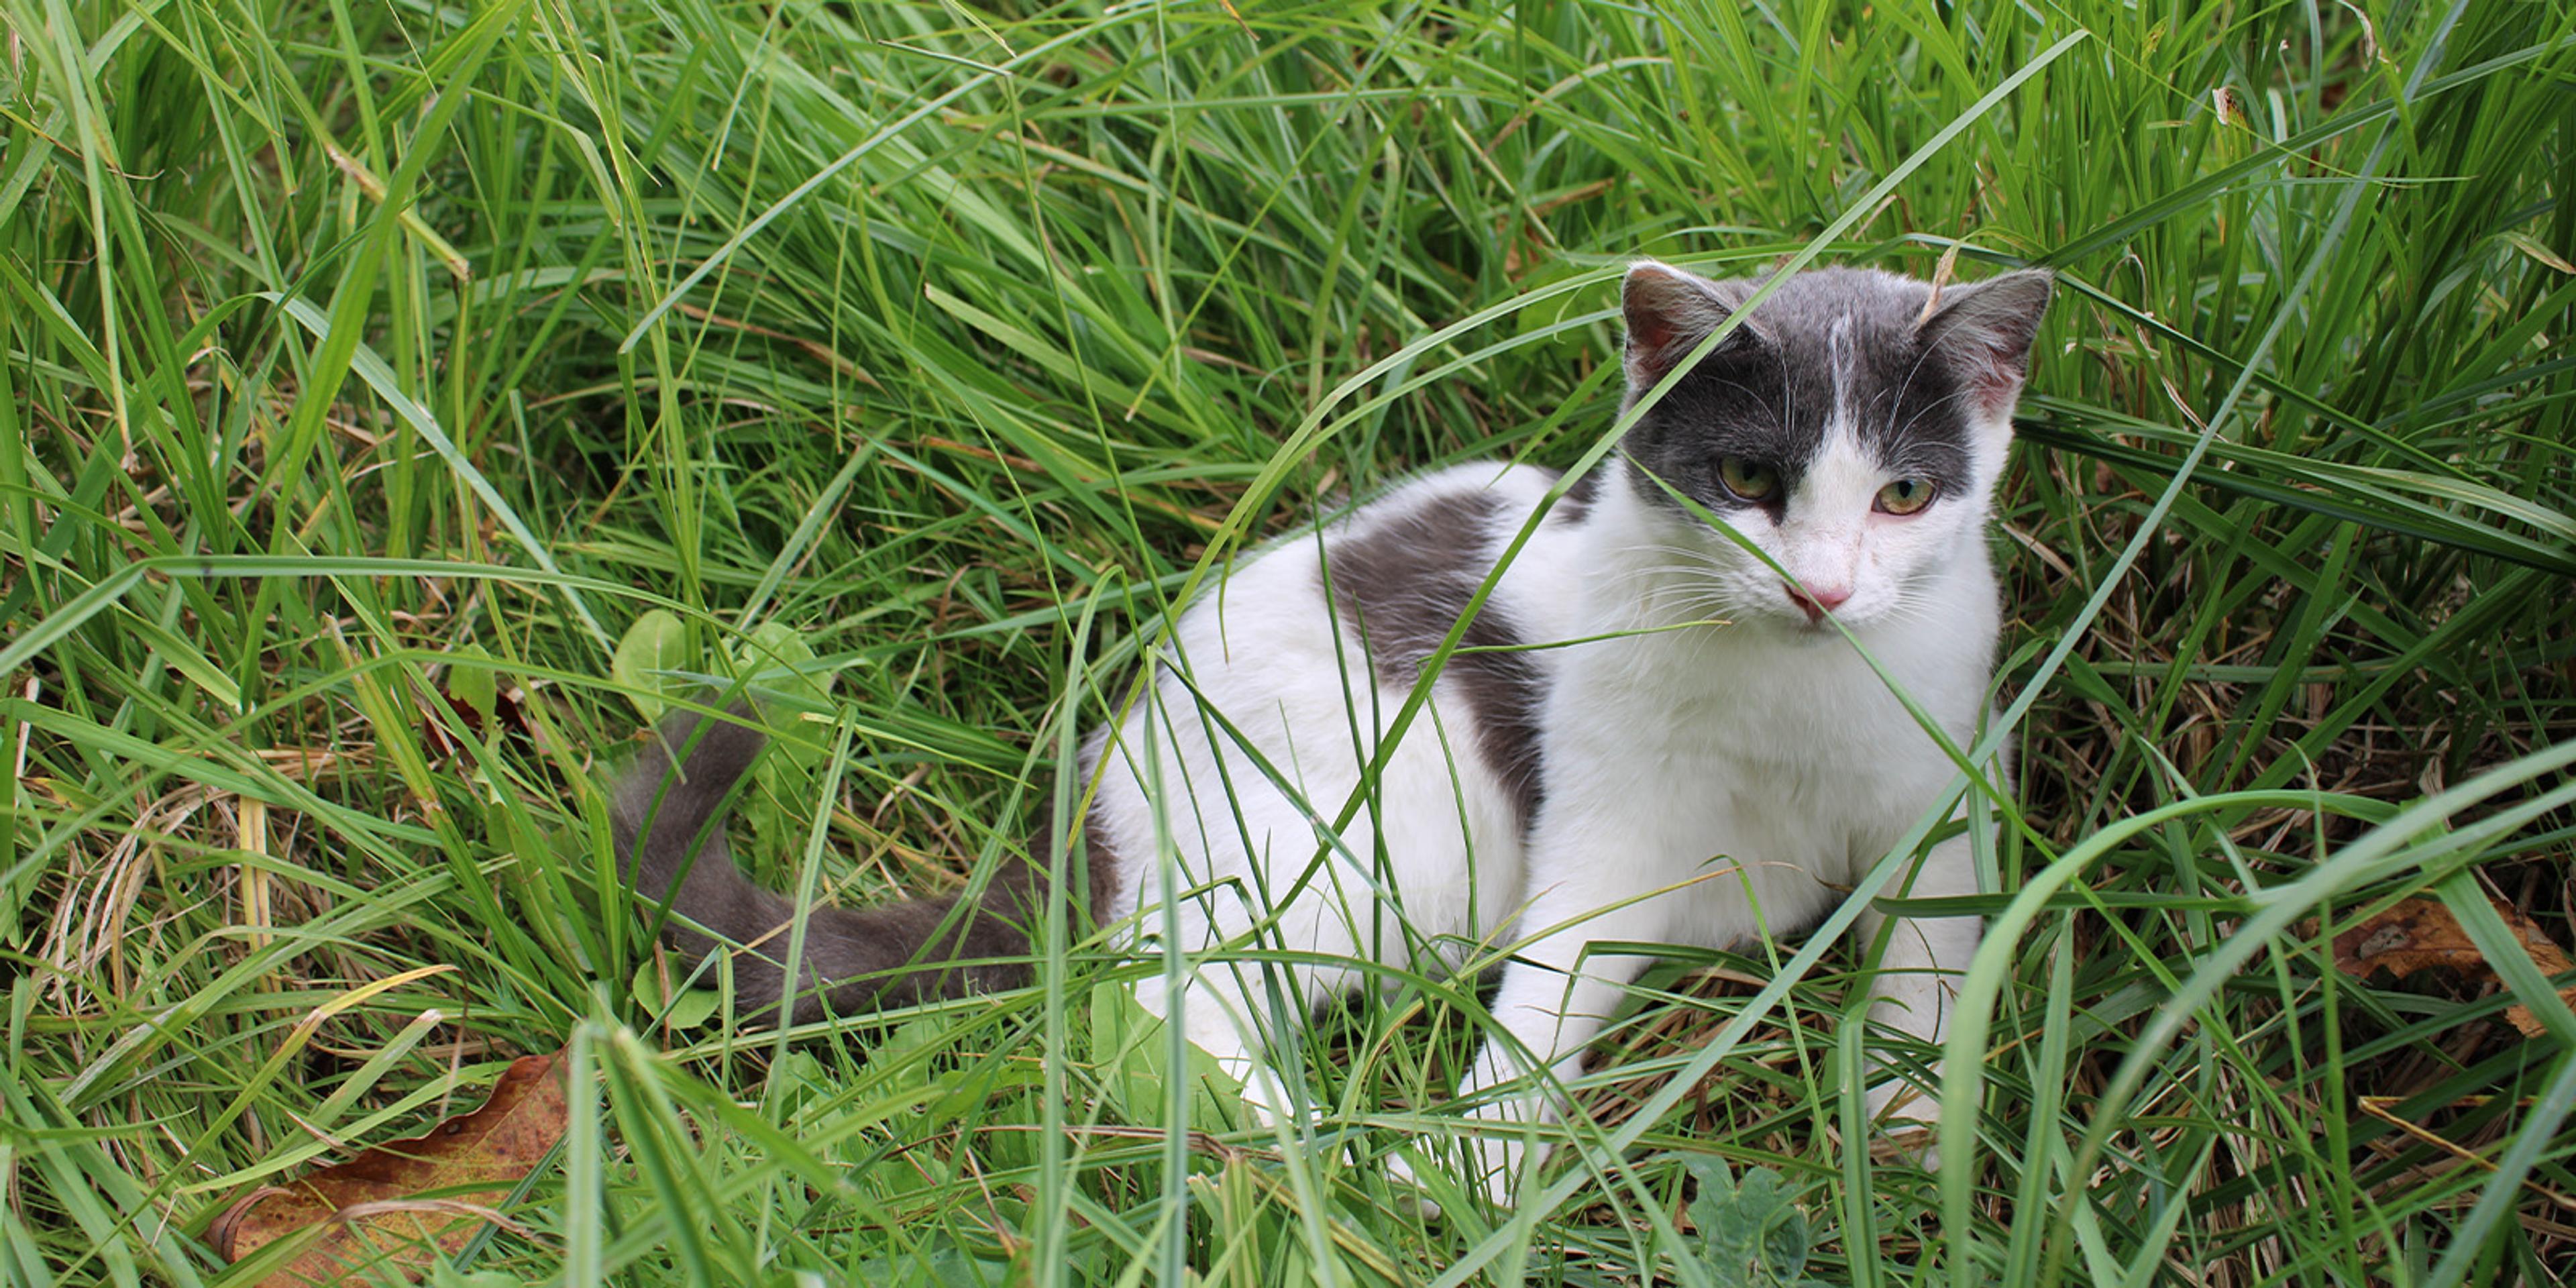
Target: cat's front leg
x=1554, y=997
x=1917, y=982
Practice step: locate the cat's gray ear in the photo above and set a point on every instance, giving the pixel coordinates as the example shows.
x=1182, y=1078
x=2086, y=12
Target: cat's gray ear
x=1669, y=312
x=1985, y=330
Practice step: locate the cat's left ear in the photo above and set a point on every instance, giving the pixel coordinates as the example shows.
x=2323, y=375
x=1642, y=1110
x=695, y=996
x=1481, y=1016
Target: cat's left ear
x=1985, y=330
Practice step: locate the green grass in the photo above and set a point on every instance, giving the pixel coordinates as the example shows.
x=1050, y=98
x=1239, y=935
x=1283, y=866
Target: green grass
x=350, y=354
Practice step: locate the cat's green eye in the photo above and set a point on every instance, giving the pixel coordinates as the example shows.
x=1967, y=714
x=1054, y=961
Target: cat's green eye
x=1748, y=480
x=1905, y=496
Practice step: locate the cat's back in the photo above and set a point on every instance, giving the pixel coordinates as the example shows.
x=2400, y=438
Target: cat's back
x=1383, y=581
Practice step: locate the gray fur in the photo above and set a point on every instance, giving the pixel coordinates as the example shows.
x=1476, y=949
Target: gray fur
x=669, y=832
x=1402, y=584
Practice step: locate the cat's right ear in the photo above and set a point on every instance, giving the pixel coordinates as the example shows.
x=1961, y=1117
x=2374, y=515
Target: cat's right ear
x=1669, y=312
x=1986, y=330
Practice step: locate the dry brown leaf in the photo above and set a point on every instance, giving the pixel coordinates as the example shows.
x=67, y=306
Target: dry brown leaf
x=374, y=1206
x=2418, y=934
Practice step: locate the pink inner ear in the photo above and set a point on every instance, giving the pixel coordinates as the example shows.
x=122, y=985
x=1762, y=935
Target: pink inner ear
x=1651, y=326
x=1986, y=332
x=1653, y=332
x=1993, y=381
x=1988, y=366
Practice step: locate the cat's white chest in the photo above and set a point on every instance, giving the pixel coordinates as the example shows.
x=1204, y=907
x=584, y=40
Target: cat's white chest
x=1737, y=780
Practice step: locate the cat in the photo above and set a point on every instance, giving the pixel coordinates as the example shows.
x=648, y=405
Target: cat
x=1698, y=755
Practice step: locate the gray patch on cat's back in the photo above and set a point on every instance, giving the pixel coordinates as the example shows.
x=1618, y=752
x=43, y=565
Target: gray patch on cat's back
x=1401, y=583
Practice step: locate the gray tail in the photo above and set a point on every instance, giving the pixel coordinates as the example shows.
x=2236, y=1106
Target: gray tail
x=669, y=828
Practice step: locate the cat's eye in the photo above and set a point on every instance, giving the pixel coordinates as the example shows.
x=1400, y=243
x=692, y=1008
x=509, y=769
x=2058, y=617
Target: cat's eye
x=1748, y=480
x=1905, y=496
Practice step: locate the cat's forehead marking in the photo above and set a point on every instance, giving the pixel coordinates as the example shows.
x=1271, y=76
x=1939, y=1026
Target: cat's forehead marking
x=1838, y=353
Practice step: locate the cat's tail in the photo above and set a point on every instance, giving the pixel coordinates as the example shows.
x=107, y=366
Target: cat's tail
x=669, y=829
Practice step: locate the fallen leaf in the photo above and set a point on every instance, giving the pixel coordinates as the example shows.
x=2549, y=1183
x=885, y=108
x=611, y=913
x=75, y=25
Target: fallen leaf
x=472, y=693
x=502, y=710
x=2420, y=934
x=388, y=1205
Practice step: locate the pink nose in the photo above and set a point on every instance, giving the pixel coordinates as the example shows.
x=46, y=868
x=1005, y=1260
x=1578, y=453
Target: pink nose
x=1817, y=600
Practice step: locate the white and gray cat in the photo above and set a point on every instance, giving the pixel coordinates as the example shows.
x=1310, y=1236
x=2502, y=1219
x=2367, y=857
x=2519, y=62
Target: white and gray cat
x=1663, y=780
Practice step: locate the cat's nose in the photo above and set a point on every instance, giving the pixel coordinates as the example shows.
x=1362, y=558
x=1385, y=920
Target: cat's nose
x=1815, y=600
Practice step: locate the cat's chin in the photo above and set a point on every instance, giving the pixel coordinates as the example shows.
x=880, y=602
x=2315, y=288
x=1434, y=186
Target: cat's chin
x=1795, y=627
x=1799, y=626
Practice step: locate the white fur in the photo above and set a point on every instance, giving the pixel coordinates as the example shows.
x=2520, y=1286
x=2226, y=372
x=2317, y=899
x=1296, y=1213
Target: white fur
x=1704, y=786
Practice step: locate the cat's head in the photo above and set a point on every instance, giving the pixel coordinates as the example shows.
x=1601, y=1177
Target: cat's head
x=1852, y=427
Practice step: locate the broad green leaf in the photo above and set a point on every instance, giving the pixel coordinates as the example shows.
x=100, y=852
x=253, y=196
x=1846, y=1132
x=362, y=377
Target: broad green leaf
x=656, y=643
x=1750, y=1234
x=1131, y=1052
x=691, y=1009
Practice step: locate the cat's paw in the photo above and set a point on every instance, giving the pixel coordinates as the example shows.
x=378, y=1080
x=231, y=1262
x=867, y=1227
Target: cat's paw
x=1496, y=1164
x=1266, y=1107
x=1906, y=1142
x=1407, y=1184
x=1908, y=1123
